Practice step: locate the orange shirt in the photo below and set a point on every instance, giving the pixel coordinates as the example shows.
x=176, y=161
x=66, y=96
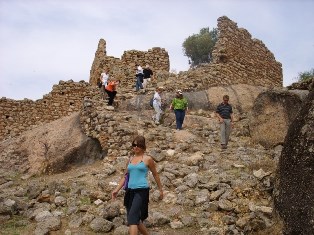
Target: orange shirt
x=111, y=86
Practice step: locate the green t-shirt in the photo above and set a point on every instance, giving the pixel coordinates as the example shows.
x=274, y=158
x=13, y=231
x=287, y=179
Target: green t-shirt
x=179, y=103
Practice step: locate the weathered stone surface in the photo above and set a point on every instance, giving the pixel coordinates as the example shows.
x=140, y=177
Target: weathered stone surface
x=272, y=113
x=99, y=225
x=305, y=85
x=192, y=168
x=242, y=97
x=64, y=99
x=294, y=183
x=121, y=230
x=124, y=68
x=50, y=148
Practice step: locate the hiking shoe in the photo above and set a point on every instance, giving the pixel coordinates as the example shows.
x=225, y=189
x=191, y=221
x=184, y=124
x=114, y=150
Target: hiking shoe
x=223, y=146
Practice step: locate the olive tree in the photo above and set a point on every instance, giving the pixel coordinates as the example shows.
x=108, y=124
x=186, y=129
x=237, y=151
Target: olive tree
x=198, y=47
x=306, y=75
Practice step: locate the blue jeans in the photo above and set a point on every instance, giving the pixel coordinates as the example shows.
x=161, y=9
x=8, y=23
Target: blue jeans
x=138, y=84
x=180, y=114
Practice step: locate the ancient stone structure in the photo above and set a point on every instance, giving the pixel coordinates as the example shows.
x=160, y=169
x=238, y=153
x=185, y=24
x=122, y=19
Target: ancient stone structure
x=124, y=68
x=64, y=99
x=237, y=58
x=294, y=184
x=304, y=85
x=101, y=125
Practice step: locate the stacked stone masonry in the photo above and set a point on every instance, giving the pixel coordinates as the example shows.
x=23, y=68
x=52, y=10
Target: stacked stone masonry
x=124, y=69
x=64, y=99
x=237, y=59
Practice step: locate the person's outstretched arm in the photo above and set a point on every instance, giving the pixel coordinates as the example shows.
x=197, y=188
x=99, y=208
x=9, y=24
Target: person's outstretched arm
x=152, y=167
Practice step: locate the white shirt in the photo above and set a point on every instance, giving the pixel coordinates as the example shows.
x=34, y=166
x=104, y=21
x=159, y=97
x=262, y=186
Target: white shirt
x=104, y=78
x=139, y=70
x=157, y=98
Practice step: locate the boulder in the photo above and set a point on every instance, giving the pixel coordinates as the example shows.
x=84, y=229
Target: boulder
x=294, y=188
x=49, y=148
x=241, y=96
x=272, y=113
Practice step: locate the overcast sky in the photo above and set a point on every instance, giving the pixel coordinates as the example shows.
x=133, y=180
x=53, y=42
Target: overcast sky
x=45, y=41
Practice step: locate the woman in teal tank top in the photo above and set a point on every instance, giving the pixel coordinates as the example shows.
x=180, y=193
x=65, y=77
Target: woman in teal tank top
x=137, y=195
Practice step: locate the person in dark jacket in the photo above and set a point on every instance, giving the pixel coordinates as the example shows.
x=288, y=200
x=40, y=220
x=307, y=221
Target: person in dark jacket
x=139, y=78
x=148, y=73
x=225, y=117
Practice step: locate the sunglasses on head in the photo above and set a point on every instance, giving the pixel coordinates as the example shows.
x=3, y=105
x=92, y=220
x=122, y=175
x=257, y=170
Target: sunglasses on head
x=137, y=145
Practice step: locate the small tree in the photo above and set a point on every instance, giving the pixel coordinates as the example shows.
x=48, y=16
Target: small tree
x=199, y=47
x=306, y=75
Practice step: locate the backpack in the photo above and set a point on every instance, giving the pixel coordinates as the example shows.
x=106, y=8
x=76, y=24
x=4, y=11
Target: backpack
x=151, y=102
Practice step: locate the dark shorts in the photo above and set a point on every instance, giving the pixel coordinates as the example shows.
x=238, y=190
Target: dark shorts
x=136, y=203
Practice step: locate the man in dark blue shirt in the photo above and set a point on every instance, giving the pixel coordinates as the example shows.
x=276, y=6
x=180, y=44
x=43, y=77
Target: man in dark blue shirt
x=148, y=73
x=225, y=116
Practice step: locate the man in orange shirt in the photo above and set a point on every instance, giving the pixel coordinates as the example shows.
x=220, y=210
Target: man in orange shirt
x=111, y=90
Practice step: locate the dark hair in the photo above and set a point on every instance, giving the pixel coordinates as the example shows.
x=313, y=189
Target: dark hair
x=140, y=141
x=180, y=96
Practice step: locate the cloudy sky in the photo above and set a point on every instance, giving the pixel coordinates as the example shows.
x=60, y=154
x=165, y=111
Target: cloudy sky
x=45, y=41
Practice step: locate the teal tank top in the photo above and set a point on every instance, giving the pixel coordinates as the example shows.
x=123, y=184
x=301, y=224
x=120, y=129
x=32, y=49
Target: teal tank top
x=138, y=175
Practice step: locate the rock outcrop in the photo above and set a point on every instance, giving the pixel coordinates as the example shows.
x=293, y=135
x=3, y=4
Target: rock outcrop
x=50, y=148
x=242, y=97
x=294, y=181
x=205, y=188
x=272, y=113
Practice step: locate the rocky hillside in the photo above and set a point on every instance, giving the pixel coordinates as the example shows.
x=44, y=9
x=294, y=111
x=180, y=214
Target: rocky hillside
x=57, y=178
x=207, y=190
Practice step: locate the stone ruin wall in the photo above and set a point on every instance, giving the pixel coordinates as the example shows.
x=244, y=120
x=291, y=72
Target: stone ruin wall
x=64, y=99
x=124, y=68
x=237, y=59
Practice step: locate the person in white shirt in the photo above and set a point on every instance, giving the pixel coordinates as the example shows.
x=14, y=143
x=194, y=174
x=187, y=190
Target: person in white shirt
x=157, y=105
x=104, y=77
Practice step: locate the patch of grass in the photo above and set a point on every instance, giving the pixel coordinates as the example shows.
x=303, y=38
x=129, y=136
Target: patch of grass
x=85, y=201
x=14, y=226
x=266, y=163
